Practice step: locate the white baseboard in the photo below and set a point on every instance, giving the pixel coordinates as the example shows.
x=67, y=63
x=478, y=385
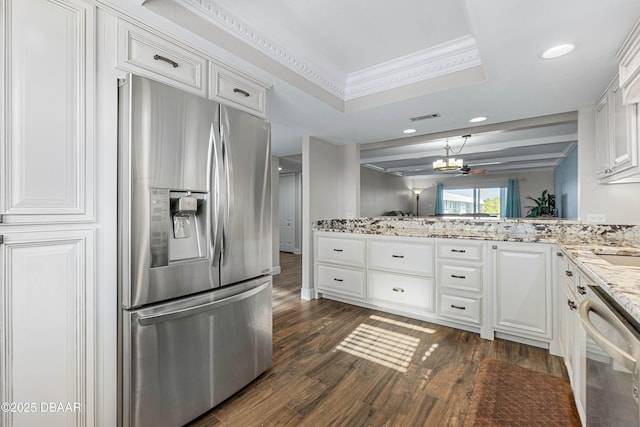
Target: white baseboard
x=275, y=270
x=307, y=294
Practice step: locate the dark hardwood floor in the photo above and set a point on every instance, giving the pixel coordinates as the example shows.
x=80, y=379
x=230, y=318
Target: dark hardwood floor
x=339, y=365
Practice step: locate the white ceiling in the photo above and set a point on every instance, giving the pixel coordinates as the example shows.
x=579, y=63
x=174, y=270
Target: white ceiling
x=355, y=71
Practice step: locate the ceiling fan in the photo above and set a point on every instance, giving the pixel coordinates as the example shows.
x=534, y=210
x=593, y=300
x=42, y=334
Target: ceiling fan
x=466, y=170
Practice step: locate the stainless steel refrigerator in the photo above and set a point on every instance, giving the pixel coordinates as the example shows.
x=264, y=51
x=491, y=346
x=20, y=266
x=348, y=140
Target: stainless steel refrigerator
x=194, y=252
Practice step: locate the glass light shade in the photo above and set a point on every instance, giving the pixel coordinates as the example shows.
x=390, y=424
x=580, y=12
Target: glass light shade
x=447, y=164
x=418, y=191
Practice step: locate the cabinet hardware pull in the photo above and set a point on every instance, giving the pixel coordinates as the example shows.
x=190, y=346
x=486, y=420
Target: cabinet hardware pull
x=582, y=290
x=398, y=290
x=494, y=246
x=244, y=92
x=1, y=239
x=455, y=276
x=337, y=250
x=460, y=251
x=572, y=305
x=569, y=273
x=458, y=307
x=559, y=254
x=338, y=280
x=173, y=63
x=398, y=256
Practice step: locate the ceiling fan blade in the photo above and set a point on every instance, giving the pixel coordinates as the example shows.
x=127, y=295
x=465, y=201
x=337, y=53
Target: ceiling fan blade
x=477, y=171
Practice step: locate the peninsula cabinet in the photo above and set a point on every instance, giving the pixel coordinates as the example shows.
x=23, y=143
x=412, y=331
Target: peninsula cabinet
x=401, y=274
x=522, y=276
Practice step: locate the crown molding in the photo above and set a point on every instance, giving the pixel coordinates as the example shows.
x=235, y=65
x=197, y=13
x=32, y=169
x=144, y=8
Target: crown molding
x=446, y=58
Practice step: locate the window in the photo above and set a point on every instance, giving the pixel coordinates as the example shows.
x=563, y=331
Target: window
x=474, y=200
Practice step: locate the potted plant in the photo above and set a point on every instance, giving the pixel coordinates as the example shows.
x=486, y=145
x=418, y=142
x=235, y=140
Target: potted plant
x=545, y=205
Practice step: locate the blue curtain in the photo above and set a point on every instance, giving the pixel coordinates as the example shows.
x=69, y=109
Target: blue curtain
x=512, y=210
x=439, y=199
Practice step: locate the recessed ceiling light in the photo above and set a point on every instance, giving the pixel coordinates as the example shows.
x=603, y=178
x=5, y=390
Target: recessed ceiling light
x=409, y=131
x=558, y=51
x=478, y=119
x=280, y=168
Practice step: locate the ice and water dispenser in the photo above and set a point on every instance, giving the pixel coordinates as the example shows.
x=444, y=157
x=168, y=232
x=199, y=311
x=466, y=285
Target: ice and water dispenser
x=178, y=224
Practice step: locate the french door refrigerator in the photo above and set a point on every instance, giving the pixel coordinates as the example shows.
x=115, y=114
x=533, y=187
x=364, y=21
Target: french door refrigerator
x=194, y=252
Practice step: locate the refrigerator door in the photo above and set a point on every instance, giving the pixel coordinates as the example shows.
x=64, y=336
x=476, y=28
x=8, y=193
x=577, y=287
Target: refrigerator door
x=184, y=357
x=170, y=181
x=246, y=239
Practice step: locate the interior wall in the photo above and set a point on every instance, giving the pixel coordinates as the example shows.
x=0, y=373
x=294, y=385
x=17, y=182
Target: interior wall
x=330, y=189
x=381, y=192
x=565, y=181
x=529, y=184
x=619, y=202
x=275, y=215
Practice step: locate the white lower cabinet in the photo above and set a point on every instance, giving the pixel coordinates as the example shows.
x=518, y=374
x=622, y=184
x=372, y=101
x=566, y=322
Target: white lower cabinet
x=342, y=280
x=410, y=292
x=458, y=307
x=48, y=339
x=522, y=289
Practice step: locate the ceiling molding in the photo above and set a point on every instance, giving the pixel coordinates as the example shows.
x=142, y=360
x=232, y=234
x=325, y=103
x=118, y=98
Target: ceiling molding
x=446, y=58
x=449, y=57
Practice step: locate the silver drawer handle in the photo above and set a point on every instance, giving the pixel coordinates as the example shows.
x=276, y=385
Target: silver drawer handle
x=458, y=307
x=572, y=305
x=569, y=273
x=398, y=290
x=460, y=251
x=582, y=290
x=455, y=276
x=338, y=280
x=173, y=63
x=337, y=250
x=398, y=256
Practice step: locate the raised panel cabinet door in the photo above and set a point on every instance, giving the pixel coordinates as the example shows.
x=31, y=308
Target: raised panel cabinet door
x=47, y=140
x=623, y=132
x=602, y=137
x=522, y=289
x=47, y=306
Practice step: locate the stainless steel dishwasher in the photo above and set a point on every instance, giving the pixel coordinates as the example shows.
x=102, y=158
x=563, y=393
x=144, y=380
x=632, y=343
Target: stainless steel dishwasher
x=612, y=370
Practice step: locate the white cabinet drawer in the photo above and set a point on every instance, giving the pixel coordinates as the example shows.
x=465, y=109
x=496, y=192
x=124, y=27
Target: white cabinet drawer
x=341, y=251
x=150, y=56
x=402, y=289
x=341, y=280
x=462, y=250
x=465, y=277
x=403, y=257
x=460, y=308
x=235, y=90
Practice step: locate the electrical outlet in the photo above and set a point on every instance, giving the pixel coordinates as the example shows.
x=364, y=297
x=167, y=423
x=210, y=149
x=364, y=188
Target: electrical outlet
x=597, y=218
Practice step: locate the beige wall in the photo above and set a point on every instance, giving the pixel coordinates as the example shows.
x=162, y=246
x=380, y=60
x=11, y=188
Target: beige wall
x=381, y=192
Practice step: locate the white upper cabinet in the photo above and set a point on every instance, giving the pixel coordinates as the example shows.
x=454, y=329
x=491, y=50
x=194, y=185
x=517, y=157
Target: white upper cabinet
x=146, y=54
x=616, y=137
x=47, y=138
x=629, y=67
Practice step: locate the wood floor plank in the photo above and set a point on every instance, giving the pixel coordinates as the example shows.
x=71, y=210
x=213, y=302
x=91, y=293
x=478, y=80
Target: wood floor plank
x=336, y=364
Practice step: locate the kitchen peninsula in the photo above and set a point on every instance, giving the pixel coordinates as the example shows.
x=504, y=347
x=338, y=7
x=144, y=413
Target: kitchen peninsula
x=581, y=242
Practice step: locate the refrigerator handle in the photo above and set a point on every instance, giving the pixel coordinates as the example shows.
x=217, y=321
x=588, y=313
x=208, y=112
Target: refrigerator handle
x=215, y=179
x=228, y=175
x=191, y=311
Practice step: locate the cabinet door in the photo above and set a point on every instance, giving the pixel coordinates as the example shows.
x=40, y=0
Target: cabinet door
x=623, y=135
x=46, y=144
x=602, y=136
x=522, y=277
x=47, y=347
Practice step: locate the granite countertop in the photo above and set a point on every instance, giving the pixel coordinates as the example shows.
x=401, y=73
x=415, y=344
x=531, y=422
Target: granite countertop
x=582, y=242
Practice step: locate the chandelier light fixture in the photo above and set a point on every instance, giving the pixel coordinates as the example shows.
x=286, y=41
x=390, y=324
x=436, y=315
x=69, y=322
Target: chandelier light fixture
x=450, y=163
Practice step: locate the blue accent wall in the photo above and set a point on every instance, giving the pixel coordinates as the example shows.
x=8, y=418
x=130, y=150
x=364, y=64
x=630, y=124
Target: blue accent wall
x=565, y=185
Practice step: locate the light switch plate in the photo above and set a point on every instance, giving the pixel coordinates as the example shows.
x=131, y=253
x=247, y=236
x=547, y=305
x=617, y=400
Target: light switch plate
x=597, y=218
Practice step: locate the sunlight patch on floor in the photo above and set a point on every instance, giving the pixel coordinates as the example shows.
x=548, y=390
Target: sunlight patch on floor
x=403, y=324
x=378, y=345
